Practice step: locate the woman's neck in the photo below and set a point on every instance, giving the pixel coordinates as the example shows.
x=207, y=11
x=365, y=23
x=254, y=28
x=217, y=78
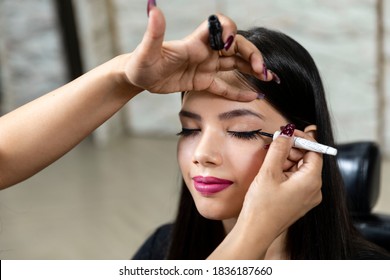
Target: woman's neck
x=277, y=249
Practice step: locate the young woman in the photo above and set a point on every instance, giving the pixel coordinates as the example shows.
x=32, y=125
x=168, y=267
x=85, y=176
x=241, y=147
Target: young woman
x=220, y=152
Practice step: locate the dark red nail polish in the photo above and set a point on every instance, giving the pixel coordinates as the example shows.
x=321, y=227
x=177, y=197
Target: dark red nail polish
x=266, y=147
x=260, y=95
x=275, y=78
x=151, y=3
x=229, y=42
x=265, y=72
x=288, y=130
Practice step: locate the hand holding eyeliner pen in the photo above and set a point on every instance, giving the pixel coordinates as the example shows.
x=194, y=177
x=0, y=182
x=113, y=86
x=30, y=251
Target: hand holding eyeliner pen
x=305, y=144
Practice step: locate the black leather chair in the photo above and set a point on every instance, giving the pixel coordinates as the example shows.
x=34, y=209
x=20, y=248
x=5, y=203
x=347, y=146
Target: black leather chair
x=360, y=164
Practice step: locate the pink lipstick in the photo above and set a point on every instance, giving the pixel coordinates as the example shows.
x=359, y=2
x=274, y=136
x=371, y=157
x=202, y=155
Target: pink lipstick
x=210, y=185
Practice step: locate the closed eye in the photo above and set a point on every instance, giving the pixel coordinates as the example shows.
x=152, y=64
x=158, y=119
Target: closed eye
x=185, y=132
x=246, y=135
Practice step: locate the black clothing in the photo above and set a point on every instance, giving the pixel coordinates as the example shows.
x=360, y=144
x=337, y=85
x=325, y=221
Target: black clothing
x=157, y=245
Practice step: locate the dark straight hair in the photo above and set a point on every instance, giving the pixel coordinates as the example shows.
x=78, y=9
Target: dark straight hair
x=326, y=231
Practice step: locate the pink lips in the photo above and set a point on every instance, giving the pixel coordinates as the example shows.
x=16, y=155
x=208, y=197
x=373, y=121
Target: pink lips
x=210, y=185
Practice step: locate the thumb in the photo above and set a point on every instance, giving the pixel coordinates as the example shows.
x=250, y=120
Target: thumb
x=277, y=155
x=154, y=35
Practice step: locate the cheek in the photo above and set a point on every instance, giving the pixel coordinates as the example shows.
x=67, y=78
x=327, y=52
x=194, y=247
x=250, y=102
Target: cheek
x=184, y=155
x=246, y=163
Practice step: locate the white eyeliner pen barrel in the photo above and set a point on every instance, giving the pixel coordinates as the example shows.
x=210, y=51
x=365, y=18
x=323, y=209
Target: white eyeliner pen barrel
x=305, y=144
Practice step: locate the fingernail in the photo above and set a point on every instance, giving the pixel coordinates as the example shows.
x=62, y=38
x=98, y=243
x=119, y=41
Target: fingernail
x=265, y=72
x=260, y=95
x=266, y=147
x=275, y=78
x=229, y=42
x=288, y=130
x=151, y=3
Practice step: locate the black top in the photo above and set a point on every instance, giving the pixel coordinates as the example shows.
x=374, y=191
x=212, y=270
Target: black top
x=157, y=245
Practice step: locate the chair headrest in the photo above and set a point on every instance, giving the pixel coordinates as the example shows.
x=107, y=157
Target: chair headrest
x=359, y=164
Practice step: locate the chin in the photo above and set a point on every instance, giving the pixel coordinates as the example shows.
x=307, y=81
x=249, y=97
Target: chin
x=214, y=214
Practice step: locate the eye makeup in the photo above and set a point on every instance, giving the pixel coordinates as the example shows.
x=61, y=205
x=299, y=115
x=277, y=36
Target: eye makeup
x=305, y=144
x=245, y=135
x=185, y=132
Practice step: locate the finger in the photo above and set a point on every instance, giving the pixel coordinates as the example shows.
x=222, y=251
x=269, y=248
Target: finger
x=295, y=155
x=228, y=63
x=312, y=161
x=250, y=53
x=229, y=29
x=222, y=88
x=289, y=165
x=277, y=155
x=304, y=135
x=154, y=36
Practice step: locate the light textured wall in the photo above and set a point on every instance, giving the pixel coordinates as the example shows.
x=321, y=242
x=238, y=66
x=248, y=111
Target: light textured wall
x=98, y=45
x=386, y=129
x=30, y=51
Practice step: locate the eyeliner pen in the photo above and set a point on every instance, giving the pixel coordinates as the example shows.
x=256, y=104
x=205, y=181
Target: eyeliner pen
x=305, y=144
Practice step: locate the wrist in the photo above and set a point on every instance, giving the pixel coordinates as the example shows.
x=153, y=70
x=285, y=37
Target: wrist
x=118, y=73
x=253, y=237
x=246, y=241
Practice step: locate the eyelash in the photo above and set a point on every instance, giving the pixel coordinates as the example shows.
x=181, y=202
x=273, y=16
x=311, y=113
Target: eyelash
x=246, y=135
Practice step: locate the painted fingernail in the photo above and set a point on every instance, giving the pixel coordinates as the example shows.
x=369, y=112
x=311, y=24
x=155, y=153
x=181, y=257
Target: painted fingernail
x=265, y=72
x=266, y=147
x=275, y=78
x=288, y=130
x=260, y=95
x=151, y=3
x=229, y=42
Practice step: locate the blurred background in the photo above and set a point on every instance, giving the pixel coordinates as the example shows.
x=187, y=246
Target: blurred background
x=102, y=199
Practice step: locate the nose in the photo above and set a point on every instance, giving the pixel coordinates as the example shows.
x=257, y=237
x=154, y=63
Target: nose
x=208, y=152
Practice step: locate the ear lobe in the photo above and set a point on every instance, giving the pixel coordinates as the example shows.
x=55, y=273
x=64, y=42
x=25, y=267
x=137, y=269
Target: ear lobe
x=311, y=130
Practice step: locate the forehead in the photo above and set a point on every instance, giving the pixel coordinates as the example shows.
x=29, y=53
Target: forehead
x=206, y=104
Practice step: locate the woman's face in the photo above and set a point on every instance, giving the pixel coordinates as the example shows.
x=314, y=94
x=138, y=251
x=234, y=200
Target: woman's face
x=219, y=152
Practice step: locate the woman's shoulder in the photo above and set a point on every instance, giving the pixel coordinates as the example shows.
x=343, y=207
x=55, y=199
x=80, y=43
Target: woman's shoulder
x=157, y=245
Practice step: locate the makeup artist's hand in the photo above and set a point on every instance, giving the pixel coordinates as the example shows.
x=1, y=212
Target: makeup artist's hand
x=275, y=200
x=191, y=64
x=282, y=195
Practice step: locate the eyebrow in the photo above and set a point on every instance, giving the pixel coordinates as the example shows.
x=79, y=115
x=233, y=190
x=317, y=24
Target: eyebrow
x=239, y=113
x=223, y=116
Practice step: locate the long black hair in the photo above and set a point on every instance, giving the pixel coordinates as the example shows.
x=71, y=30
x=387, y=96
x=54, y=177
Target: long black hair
x=325, y=232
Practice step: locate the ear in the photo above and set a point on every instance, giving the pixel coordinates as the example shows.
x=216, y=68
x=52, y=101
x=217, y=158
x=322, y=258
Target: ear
x=311, y=130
